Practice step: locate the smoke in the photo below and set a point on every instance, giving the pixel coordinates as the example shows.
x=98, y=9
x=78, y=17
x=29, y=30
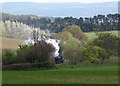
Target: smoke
x=29, y=41
x=54, y=42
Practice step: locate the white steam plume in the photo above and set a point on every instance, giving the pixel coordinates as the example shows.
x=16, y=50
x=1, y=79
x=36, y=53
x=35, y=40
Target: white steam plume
x=54, y=42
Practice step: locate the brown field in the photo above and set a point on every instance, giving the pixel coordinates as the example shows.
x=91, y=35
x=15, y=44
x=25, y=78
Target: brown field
x=9, y=43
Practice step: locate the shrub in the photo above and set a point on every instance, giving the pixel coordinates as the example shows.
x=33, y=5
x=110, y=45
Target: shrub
x=94, y=54
x=43, y=51
x=109, y=42
x=8, y=57
x=73, y=55
x=112, y=60
x=37, y=53
x=21, y=47
x=25, y=55
x=29, y=56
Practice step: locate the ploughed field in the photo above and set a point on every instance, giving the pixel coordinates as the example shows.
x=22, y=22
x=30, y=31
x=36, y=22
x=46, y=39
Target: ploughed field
x=9, y=43
x=81, y=74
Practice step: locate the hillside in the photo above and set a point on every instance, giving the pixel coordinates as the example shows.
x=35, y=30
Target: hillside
x=72, y=36
x=15, y=29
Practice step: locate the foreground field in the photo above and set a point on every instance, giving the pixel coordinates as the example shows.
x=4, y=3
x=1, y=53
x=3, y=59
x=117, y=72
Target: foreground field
x=76, y=75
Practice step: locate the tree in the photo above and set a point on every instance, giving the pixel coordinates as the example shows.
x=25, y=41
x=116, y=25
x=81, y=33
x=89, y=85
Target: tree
x=87, y=24
x=73, y=55
x=20, y=30
x=94, y=54
x=8, y=57
x=40, y=52
x=76, y=32
x=109, y=42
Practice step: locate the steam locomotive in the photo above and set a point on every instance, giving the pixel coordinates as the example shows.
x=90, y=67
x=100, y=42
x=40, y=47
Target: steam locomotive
x=59, y=59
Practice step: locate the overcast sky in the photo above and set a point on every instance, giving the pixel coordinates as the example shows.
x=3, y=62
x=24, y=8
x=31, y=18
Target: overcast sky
x=60, y=1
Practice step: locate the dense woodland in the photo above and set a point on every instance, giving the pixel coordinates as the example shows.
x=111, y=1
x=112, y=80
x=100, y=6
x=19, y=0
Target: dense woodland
x=95, y=23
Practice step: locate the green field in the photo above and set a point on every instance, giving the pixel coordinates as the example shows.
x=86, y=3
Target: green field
x=92, y=35
x=82, y=74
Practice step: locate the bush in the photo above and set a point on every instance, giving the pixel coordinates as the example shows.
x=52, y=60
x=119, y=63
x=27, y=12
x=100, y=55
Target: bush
x=8, y=57
x=109, y=42
x=43, y=51
x=101, y=48
x=73, y=55
x=38, y=53
x=112, y=60
x=94, y=54
x=25, y=54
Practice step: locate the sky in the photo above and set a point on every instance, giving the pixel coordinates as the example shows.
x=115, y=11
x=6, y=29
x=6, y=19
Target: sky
x=59, y=1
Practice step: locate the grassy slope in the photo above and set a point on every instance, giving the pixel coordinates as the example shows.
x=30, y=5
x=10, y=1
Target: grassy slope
x=77, y=75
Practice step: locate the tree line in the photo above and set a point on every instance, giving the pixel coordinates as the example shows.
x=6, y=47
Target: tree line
x=95, y=23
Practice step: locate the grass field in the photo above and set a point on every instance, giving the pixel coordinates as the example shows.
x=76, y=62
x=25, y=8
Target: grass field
x=78, y=75
x=92, y=35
